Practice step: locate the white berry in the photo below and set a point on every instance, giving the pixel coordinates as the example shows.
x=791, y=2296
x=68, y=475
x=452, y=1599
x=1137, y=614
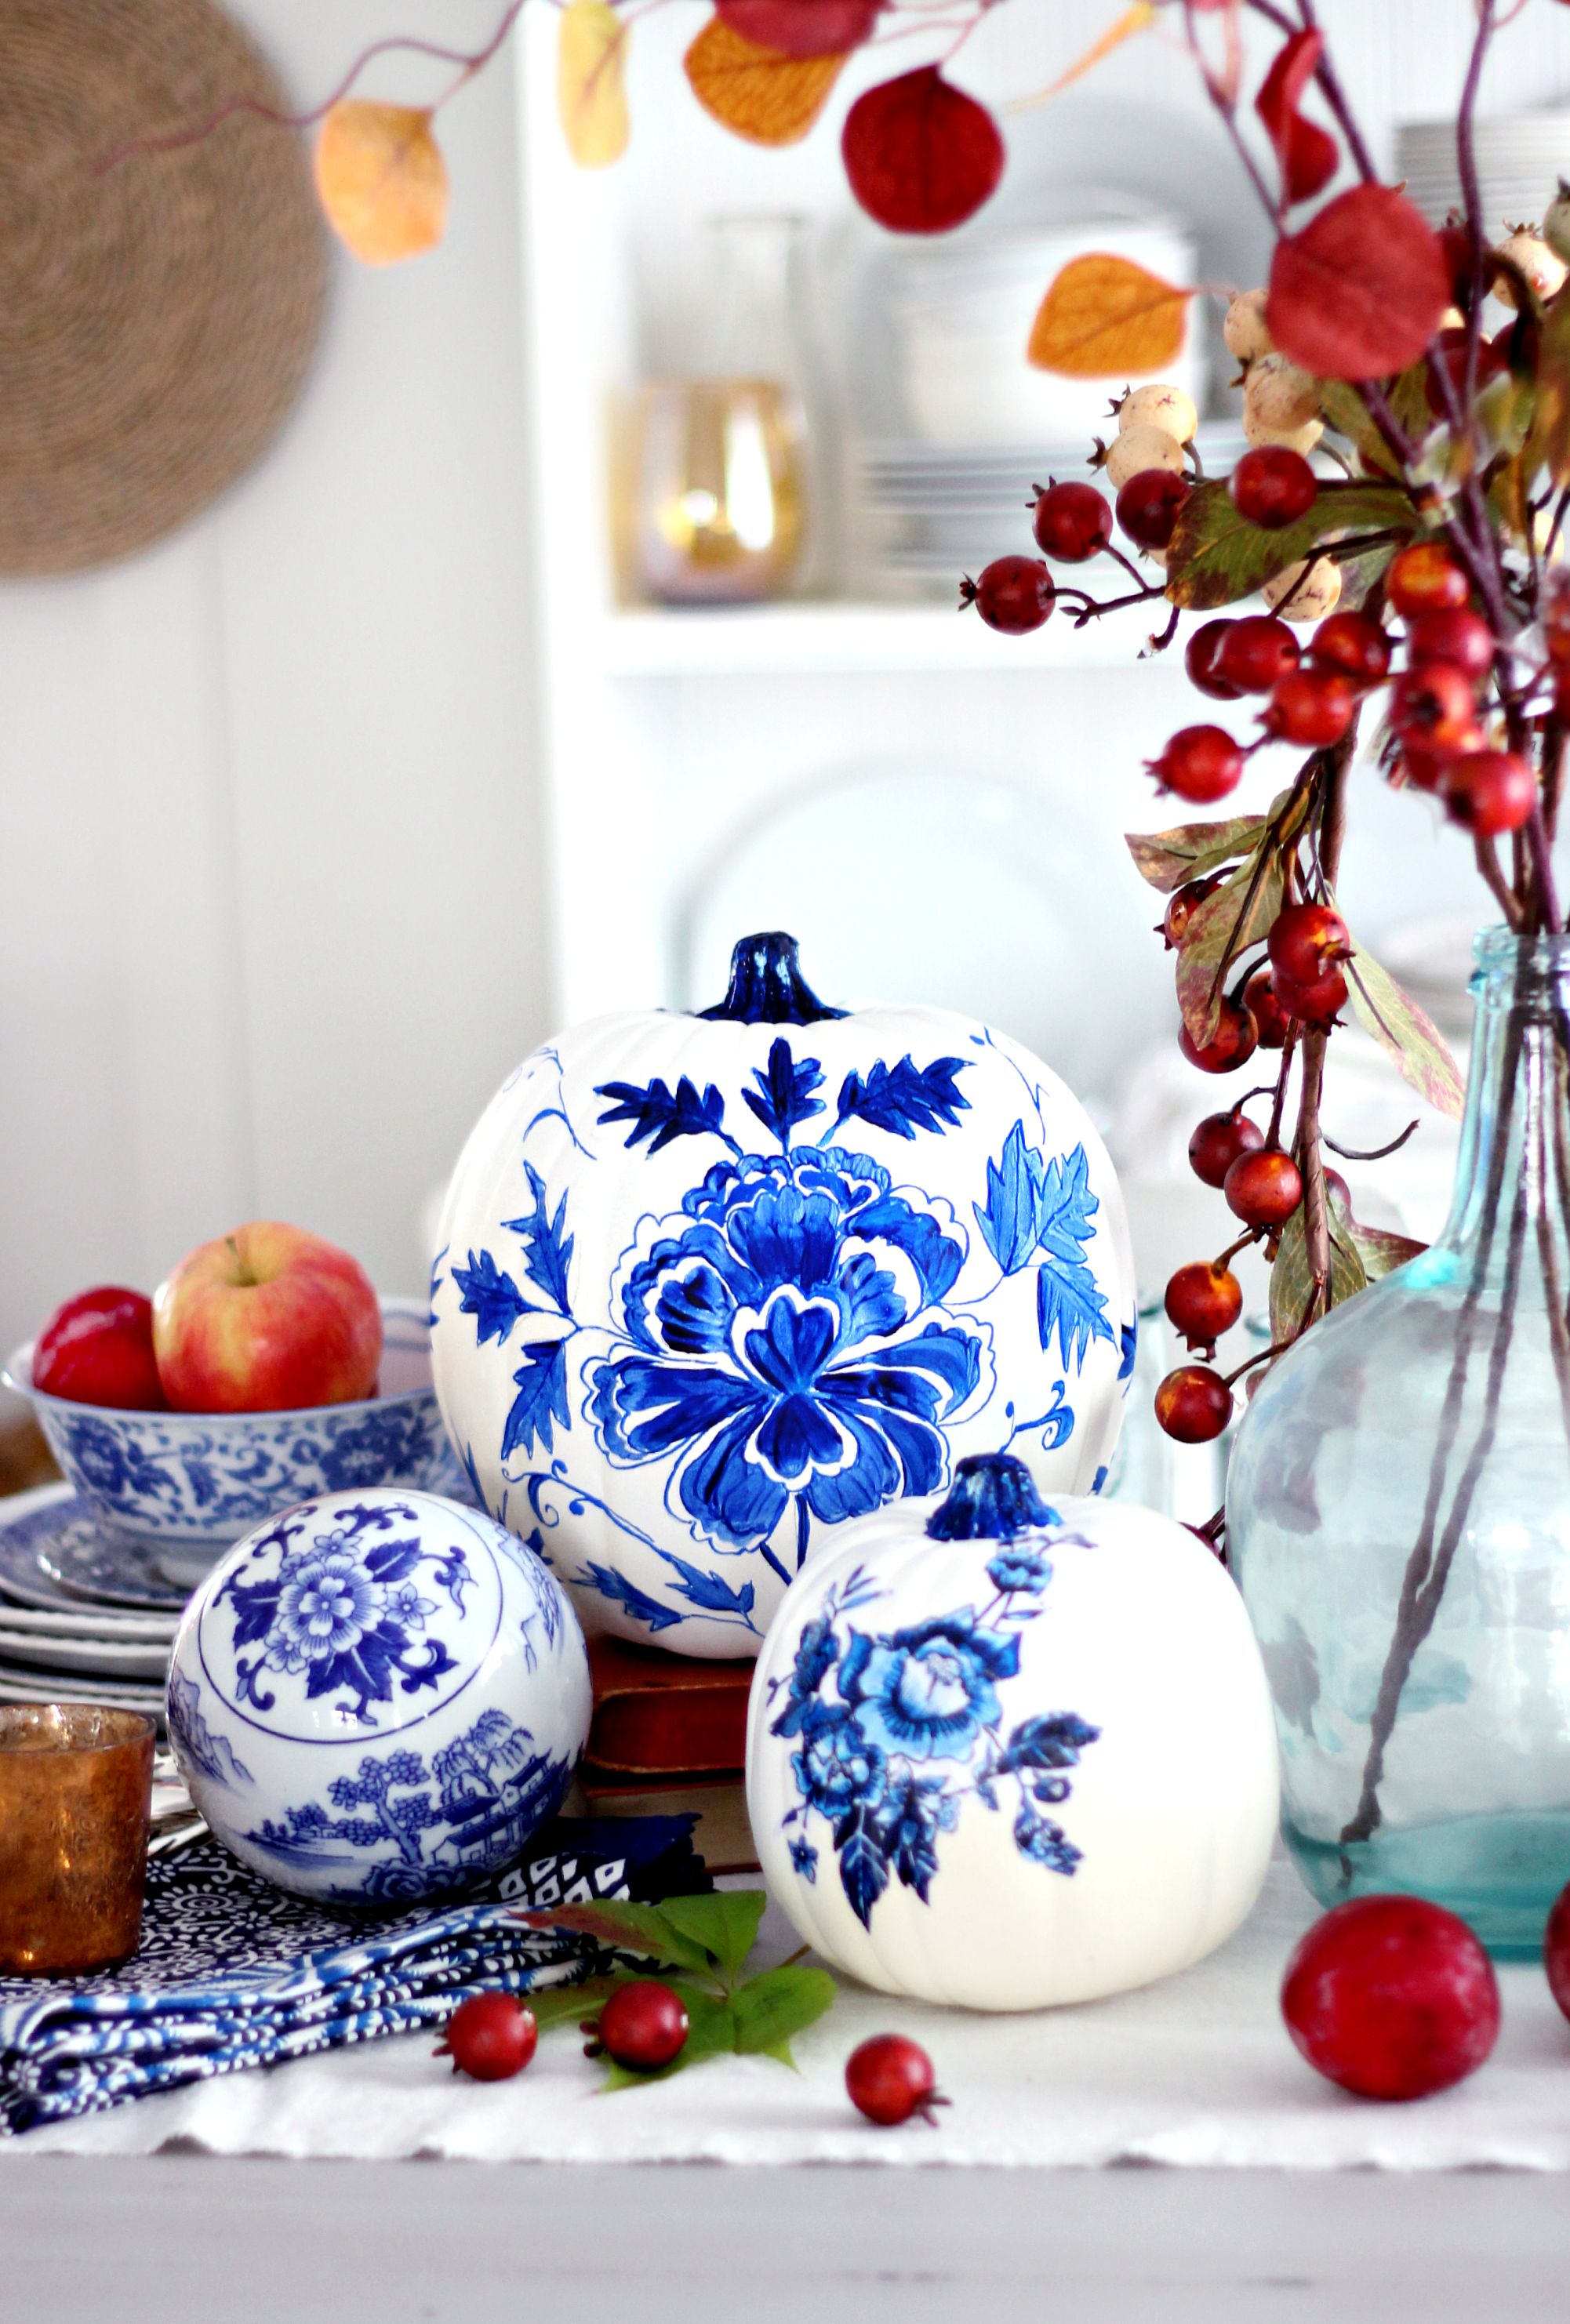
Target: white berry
x=1543, y=269
x=1279, y=395
x=1297, y=439
x=1135, y=449
x=1158, y=406
x=1556, y=223
x=1244, y=328
x=1304, y=591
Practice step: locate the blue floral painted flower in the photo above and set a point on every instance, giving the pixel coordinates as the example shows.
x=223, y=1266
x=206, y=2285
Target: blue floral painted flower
x=926, y=1692
x=383, y=1444
x=327, y=1602
x=1022, y=1569
x=113, y=1464
x=785, y=1345
x=836, y=1766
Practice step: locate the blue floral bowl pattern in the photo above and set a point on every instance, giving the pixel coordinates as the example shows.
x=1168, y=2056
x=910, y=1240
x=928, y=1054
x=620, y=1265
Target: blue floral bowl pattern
x=709, y=1289
x=187, y=1484
x=378, y=1696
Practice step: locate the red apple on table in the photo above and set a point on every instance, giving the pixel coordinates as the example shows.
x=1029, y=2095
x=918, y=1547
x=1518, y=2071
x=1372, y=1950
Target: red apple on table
x=267, y=1319
x=98, y=1349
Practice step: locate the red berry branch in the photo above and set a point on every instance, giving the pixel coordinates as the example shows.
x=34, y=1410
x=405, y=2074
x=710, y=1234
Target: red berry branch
x=1399, y=510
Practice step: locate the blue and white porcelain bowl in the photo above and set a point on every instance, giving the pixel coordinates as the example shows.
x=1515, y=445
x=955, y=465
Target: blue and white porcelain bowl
x=184, y=1485
x=378, y=1697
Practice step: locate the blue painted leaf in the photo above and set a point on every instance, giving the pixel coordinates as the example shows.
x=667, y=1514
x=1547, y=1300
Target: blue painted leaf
x=710, y=1590
x=612, y=1584
x=542, y=1397
x=915, y=1838
x=905, y=1098
x=863, y=1866
x=549, y=1244
x=1011, y=1219
x=661, y=1114
x=783, y=1097
x=1053, y=1740
x=491, y=1297
x=1129, y=1344
x=1069, y=1299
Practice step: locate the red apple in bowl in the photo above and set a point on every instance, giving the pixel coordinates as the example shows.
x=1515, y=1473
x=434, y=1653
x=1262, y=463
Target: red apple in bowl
x=267, y=1319
x=98, y=1349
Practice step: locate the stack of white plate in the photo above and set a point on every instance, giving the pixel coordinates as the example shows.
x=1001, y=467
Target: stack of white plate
x=929, y=512
x=1521, y=159
x=81, y=1617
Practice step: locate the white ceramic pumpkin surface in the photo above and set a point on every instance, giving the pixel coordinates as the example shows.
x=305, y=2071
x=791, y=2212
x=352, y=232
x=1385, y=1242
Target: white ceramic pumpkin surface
x=711, y=1286
x=1005, y=1754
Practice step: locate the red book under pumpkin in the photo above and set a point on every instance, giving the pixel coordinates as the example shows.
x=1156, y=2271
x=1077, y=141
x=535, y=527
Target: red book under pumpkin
x=658, y=1715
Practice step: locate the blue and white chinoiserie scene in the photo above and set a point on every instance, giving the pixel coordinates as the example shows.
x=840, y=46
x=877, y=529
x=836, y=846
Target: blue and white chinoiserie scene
x=785, y=1247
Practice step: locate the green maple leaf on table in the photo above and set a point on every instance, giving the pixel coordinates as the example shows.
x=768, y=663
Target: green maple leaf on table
x=701, y=1943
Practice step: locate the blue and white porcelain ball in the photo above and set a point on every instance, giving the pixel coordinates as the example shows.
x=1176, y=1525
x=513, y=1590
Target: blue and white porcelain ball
x=1004, y=1755
x=377, y=1697
x=711, y=1286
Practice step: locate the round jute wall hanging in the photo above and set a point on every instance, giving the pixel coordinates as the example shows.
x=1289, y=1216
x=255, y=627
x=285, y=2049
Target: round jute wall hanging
x=157, y=316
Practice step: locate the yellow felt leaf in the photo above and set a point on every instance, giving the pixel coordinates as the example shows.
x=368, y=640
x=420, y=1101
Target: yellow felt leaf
x=759, y=93
x=382, y=179
x=591, y=91
x=1104, y=317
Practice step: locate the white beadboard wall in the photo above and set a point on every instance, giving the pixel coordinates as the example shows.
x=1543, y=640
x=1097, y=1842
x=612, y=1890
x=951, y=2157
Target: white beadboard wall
x=273, y=912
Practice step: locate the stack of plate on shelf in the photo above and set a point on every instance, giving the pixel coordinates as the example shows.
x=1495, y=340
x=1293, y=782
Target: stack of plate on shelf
x=1521, y=159
x=83, y=1618
x=929, y=512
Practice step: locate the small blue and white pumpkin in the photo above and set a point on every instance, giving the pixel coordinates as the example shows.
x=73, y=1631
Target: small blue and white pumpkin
x=378, y=1697
x=709, y=1287
x=1004, y=1756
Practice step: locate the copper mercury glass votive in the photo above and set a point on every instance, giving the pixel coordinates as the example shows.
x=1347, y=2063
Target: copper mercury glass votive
x=76, y=1789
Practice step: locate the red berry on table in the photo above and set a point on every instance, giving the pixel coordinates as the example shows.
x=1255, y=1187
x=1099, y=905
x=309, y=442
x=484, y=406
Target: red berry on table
x=643, y=2025
x=889, y=2078
x=1453, y=633
x=1313, y=707
x=1316, y=1003
x=1260, y=997
x=1307, y=940
x=1181, y=905
x=98, y=1349
x=1433, y=703
x=1072, y=521
x=1218, y=1140
x=1557, y=1952
x=1232, y=1044
x=1014, y=594
x=1423, y=577
x=1256, y=653
x=490, y=2037
x=1200, y=763
x=1194, y=1404
x=1352, y=644
x=1201, y=659
x=1263, y=1189
x=1392, y=1998
x=1203, y=1299
x=1149, y=504
x=1490, y=792
x=1272, y=486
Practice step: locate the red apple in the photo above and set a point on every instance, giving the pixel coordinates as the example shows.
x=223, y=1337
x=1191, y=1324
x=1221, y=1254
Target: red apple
x=98, y=1349
x=267, y=1319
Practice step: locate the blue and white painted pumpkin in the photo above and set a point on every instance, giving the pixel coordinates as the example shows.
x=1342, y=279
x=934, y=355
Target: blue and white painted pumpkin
x=709, y=1287
x=1006, y=1754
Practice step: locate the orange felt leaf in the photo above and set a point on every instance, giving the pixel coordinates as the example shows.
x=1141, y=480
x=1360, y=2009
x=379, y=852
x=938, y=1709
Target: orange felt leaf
x=382, y=179
x=1134, y=20
x=1103, y=315
x=591, y=92
x=760, y=94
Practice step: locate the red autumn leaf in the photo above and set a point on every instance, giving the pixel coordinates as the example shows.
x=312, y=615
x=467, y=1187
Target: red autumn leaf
x=1308, y=155
x=920, y=155
x=1360, y=291
x=801, y=28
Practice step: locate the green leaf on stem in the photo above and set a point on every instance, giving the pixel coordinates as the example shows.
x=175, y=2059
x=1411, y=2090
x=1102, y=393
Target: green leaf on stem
x=1400, y=1026
x=641, y=1929
x=557, y=2004
x=1291, y=1278
x=1218, y=932
x=725, y=1923
x=1216, y=555
x=1380, y=1251
x=770, y=2010
x=1550, y=437
x=1166, y=859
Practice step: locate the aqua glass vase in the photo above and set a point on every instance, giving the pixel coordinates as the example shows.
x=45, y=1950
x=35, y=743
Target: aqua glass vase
x=1398, y=1517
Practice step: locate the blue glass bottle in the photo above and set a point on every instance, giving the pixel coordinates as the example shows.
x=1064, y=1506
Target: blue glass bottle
x=1398, y=1517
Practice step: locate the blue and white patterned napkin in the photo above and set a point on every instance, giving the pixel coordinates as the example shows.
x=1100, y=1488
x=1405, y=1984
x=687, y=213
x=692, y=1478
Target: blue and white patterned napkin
x=232, y=1972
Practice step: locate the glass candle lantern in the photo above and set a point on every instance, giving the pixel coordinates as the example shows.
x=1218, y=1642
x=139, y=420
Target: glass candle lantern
x=75, y=1788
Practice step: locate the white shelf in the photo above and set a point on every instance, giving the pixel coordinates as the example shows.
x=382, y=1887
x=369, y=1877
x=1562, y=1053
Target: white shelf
x=742, y=640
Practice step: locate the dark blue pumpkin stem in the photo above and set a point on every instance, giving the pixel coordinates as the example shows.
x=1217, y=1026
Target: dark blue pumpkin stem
x=994, y=1497
x=767, y=988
